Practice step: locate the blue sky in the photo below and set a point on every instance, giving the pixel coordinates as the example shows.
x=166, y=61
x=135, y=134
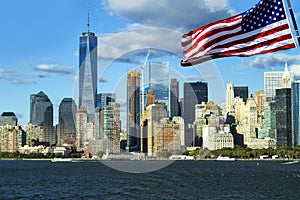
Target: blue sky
x=39, y=46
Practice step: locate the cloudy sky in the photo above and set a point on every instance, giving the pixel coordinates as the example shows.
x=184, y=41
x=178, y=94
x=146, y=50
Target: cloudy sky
x=39, y=46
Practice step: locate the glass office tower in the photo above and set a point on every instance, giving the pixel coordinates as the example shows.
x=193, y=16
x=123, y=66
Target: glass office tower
x=88, y=73
x=296, y=112
x=41, y=114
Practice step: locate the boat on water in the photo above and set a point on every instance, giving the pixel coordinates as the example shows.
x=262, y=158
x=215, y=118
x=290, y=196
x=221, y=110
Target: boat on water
x=225, y=158
x=181, y=157
x=290, y=162
x=62, y=160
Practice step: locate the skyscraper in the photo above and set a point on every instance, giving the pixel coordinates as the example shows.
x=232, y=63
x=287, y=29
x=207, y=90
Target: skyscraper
x=66, y=132
x=88, y=72
x=104, y=99
x=41, y=114
x=229, y=97
x=111, y=127
x=194, y=93
x=133, y=111
x=8, y=118
x=260, y=99
x=296, y=112
x=174, y=98
x=233, y=92
x=159, y=81
x=242, y=92
x=273, y=81
x=81, y=127
x=283, y=117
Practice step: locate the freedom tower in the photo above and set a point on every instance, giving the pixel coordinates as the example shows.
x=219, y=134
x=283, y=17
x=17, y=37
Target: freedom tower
x=88, y=72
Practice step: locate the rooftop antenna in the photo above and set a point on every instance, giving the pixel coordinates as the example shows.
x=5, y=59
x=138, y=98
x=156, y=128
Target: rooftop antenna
x=88, y=18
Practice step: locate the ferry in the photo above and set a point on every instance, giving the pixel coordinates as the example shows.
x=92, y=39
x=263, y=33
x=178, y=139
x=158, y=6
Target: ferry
x=61, y=160
x=225, y=158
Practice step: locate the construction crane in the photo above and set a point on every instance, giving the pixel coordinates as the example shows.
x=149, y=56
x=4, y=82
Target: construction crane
x=143, y=84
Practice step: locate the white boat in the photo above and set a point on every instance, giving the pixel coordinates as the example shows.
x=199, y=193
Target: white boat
x=225, y=158
x=61, y=160
x=181, y=157
x=290, y=162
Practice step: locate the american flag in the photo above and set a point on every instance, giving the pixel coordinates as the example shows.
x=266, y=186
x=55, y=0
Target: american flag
x=262, y=29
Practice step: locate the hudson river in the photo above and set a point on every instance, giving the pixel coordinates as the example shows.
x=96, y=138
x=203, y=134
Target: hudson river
x=179, y=180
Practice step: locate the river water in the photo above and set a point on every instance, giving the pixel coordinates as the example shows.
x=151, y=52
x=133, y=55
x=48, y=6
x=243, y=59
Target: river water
x=178, y=180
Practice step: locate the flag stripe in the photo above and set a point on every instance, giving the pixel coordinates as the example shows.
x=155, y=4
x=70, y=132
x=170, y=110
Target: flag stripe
x=211, y=38
x=255, y=47
x=287, y=44
x=210, y=30
x=239, y=42
x=241, y=39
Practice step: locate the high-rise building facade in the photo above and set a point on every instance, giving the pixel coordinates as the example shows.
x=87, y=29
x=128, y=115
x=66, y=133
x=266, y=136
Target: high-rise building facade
x=273, y=81
x=159, y=81
x=260, y=99
x=248, y=125
x=284, y=135
x=111, y=127
x=8, y=118
x=269, y=122
x=33, y=132
x=296, y=112
x=155, y=113
x=81, y=127
x=66, y=131
x=41, y=114
x=133, y=111
x=194, y=93
x=174, y=98
x=229, y=97
x=242, y=92
x=104, y=99
x=88, y=73
x=11, y=138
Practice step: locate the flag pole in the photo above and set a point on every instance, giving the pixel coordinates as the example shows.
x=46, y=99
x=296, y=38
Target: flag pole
x=293, y=20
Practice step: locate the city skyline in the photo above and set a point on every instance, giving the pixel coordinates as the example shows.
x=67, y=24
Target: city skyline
x=39, y=49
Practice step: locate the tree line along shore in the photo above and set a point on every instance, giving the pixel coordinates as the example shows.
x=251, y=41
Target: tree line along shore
x=236, y=152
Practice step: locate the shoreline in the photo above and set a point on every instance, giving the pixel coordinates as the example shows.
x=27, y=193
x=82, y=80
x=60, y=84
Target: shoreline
x=86, y=159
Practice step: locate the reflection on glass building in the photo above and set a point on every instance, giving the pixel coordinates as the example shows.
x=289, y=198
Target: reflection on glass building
x=88, y=73
x=103, y=99
x=159, y=81
x=296, y=112
x=8, y=118
x=41, y=114
x=66, y=130
x=283, y=117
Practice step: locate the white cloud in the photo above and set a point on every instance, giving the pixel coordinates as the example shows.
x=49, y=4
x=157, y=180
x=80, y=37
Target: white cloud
x=178, y=14
x=22, y=82
x=76, y=54
x=274, y=60
x=296, y=69
x=54, y=68
x=115, y=46
x=157, y=25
